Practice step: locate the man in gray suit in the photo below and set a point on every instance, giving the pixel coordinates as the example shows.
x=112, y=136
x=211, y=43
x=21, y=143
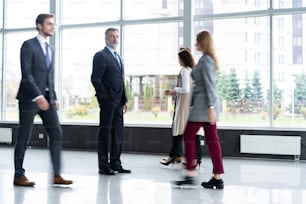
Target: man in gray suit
x=36, y=95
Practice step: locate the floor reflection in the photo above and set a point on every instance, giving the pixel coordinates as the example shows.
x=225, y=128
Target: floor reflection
x=56, y=194
x=22, y=194
x=246, y=182
x=109, y=190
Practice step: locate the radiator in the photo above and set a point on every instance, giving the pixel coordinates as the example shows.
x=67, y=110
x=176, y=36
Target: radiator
x=271, y=144
x=6, y=135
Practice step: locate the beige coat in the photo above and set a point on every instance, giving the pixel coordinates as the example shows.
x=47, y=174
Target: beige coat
x=182, y=104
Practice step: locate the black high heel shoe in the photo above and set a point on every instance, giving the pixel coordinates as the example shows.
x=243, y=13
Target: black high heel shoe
x=199, y=161
x=194, y=166
x=170, y=160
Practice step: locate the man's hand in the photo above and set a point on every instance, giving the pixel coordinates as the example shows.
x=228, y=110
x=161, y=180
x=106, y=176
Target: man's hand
x=57, y=105
x=42, y=103
x=125, y=108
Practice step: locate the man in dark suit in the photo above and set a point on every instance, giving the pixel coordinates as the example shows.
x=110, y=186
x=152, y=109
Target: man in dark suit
x=36, y=95
x=108, y=80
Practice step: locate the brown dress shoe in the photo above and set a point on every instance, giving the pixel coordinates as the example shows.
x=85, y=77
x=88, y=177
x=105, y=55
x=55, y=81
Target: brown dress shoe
x=60, y=181
x=23, y=181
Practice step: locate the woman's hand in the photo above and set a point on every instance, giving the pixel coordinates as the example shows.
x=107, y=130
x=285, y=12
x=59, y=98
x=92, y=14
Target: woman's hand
x=170, y=92
x=167, y=92
x=212, y=116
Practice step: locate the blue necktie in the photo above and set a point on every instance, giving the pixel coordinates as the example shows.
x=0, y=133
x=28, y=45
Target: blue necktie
x=48, y=59
x=118, y=59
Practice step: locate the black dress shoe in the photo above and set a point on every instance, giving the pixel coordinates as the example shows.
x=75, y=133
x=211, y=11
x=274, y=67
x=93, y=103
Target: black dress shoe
x=123, y=171
x=213, y=184
x=186, y=181
x=107, y=172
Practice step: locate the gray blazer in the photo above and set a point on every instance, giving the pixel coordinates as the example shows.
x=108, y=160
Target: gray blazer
x=35, y=75
x=204, y=90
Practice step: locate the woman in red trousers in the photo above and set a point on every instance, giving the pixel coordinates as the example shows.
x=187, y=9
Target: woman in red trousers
x=204, y=112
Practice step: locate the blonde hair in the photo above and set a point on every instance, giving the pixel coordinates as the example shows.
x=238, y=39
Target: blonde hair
x=205, y=42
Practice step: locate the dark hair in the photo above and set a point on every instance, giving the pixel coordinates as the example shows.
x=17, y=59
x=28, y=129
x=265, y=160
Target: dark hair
x=40, y=19
x=110, y=30
x=186, y=57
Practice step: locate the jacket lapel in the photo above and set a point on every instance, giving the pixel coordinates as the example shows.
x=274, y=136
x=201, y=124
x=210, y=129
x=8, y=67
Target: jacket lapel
x=114, y=59
x=42, y=55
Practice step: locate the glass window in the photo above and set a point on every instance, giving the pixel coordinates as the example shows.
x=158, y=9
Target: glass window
x=245, y=55
x=290, y=105
x=242, y=83
x=13, y=72
x=279, y=4
x=257, y=57
x=150, y=54
x=297, y=21
x=257, y=21
x=150, y=69
x=1, y=14
x=281, y=59
x=93, y=11
x=214, y=7
x=257, y=38
x=79, y=103
x=18, y=15
x=1, y=70
x=281, y=24
x=257, y=3
x=140, y=9
x=281, y=41
x=297, y=41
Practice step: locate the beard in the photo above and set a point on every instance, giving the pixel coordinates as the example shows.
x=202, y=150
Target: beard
x=113, y=45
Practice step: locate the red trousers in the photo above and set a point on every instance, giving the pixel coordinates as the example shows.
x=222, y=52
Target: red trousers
x=212, y=141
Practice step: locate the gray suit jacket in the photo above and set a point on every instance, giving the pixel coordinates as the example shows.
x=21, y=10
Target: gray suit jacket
x=204, y=90
x=35, y=75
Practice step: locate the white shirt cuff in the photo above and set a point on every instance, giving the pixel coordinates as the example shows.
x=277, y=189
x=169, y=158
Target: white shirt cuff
x=37, y=97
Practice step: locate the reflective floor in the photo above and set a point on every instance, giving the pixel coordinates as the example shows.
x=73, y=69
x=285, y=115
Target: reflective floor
x=247, y=181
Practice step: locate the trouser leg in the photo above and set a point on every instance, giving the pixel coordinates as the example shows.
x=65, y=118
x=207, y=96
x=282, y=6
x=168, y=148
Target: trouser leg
x=213, y=144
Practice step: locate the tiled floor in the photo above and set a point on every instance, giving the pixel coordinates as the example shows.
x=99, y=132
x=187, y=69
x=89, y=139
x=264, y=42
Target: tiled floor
x=246, y=181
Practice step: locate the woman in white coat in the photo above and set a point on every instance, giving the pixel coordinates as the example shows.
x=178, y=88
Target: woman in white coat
x=182, y=92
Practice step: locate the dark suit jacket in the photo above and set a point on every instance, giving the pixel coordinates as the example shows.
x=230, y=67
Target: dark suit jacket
x=35, y=75
x=108, y=78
